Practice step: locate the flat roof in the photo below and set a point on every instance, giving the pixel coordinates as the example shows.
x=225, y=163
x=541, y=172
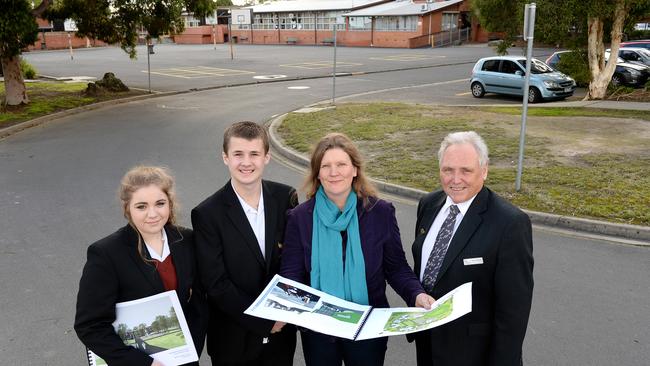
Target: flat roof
x=401, y=7
x=311, y=5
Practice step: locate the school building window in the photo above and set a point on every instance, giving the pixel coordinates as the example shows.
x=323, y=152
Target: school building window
x=360, y=23
x=407, y=23
x=449, y=21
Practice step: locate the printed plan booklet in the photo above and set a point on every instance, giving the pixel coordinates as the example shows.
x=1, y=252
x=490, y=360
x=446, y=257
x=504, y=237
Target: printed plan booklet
x=292, y=302
x=155, y=325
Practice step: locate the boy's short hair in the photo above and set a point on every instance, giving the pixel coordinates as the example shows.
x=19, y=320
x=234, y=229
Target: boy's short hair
x=246, y=130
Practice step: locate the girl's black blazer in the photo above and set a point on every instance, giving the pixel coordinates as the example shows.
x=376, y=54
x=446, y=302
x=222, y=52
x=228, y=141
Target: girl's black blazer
x=114, y=272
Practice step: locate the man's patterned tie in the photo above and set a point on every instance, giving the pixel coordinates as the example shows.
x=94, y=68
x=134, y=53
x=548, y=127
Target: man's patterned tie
x=439, y=250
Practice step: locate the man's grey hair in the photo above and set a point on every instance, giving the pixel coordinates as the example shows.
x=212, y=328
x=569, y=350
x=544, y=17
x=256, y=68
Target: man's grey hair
x=466, y=137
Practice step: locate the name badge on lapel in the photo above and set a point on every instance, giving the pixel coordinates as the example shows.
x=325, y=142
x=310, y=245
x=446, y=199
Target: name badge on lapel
x=473, y=261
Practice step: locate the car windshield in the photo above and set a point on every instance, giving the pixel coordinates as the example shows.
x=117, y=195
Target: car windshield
x=537, y=66
x=644, y=53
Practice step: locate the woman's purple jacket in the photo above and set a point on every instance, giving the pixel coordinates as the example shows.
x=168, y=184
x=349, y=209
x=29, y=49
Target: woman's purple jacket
x=380, y=242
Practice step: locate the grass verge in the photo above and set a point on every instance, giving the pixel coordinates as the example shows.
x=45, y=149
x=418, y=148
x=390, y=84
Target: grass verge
x=578, y=162
x=50, y=97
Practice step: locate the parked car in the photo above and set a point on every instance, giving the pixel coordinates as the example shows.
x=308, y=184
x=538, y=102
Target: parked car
x=633, y=55
x=626, y=73
x=505, y=75
x=639, y=43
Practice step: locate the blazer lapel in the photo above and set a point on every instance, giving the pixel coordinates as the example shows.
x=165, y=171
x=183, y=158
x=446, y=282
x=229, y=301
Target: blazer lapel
x=270, y=220
x=236, y=214
x=471, y=221
x=148, y=270
x=429, y=214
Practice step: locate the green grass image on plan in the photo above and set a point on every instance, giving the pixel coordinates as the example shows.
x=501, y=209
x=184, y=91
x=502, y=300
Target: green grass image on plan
x=168, y=341
x=347, y=316
x=402, y=321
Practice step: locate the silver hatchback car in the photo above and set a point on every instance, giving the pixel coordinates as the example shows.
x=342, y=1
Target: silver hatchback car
x=505, y=75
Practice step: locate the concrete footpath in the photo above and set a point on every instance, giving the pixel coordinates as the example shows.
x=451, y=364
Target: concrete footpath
x=626, y=234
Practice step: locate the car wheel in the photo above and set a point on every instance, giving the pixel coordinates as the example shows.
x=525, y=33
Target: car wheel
x=477, y=90
x=533, y=95
x=617, y=80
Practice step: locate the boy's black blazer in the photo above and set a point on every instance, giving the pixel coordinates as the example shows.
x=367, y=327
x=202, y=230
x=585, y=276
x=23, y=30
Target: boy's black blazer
x=234, y=272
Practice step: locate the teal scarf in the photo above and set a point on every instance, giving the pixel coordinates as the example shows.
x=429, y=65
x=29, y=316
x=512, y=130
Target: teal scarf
x=327, y=270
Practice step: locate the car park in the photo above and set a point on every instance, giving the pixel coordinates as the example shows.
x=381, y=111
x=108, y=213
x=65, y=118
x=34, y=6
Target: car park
x=505, y=75
x=626, y=73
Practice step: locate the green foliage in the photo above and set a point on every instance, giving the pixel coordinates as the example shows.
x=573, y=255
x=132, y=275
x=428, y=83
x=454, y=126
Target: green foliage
x=637, y=34
x=576, y=65
x=500, y=15
x=118, y=21
x=556, y=22
x=28, y=70
x=18, y=28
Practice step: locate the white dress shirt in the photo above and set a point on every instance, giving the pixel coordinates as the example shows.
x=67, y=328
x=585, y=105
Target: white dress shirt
x=255, y=219
x=165, y=252
x=430, y=240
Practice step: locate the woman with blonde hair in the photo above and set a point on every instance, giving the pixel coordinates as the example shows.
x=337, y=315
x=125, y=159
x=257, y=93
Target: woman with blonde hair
x=149, y=255
x=344, y=241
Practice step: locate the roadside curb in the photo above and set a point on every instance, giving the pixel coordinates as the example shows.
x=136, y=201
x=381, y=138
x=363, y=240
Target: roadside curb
x=640, y=234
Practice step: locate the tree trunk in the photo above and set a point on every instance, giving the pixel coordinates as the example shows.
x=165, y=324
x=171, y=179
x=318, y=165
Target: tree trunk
x=16, y=93
x=601, y=73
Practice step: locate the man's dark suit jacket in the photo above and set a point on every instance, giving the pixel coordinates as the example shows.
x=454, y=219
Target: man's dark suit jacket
x=114, y=272
x=234, y=272
x=502, y=286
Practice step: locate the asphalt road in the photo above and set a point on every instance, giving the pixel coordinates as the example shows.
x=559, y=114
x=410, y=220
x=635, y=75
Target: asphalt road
x=182, y=67
x=59, y=185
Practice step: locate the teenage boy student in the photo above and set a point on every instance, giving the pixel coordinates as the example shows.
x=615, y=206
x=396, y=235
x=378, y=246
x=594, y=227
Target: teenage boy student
x=238, y=233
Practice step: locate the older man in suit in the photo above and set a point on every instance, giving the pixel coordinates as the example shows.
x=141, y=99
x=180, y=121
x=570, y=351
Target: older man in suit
x=238, y=233
x=467, y=233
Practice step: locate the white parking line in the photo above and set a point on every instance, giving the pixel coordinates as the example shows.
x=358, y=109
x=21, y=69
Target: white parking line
x=321, y=65
x=196, y=72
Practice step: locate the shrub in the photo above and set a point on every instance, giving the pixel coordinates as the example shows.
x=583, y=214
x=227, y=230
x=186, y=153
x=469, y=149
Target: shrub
x=29, y=71
x=638, y=34
x=576, y=65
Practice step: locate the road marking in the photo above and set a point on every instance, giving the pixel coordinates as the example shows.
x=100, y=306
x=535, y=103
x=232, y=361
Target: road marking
x=298, y=87
x=461, y=94
x=147, y=90
x=406, y=57
x=269, y=77
x=197, y=72
x=403, y=87
x=321, y=65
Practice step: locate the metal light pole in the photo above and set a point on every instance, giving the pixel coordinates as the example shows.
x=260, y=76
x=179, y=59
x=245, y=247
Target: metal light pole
x=529, y=29
x=230, y=35
x=334, y=67
x=149, y=49
x=214, y=36
x=70, y=46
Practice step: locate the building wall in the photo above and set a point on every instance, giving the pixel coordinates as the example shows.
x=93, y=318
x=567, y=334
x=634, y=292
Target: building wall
x=283, y=36
x=59, y=40
x=430, y=23
x=202, y=35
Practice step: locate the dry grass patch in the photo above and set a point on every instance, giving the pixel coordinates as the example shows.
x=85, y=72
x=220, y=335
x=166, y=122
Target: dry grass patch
x=579, y=162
